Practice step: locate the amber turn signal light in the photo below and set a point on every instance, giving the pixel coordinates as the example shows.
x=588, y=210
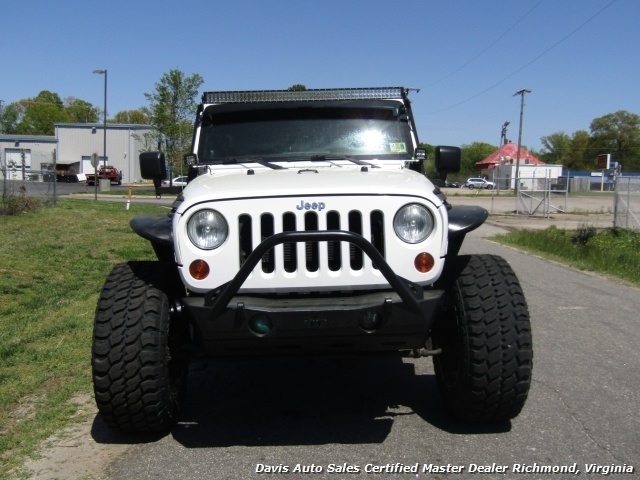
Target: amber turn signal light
x=424, y=262
x=199, y=269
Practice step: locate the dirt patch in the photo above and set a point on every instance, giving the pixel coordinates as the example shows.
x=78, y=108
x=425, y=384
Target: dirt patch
x=74, y=454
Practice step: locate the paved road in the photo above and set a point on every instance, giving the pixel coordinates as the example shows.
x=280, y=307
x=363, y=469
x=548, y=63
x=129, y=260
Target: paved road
x=583, y=406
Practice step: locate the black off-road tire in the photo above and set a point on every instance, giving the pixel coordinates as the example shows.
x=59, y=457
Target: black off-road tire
x=484, y=370
x=138, y=385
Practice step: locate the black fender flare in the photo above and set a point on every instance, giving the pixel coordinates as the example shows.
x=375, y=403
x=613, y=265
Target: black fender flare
x=462, y=220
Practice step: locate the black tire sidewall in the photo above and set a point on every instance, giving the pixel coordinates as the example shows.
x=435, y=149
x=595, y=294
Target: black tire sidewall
x=484, y=372
x=137, y=386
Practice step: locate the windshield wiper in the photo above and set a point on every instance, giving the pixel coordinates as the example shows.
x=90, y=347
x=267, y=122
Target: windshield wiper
x=258, y=160
x=328, y=157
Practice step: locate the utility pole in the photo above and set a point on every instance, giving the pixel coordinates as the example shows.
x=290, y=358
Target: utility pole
x=521, y=93
x=503, y=140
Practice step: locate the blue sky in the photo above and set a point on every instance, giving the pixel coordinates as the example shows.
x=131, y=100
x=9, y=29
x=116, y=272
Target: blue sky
x=579, y=58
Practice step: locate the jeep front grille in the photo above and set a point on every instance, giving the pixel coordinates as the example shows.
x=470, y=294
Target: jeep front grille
x=370, y=225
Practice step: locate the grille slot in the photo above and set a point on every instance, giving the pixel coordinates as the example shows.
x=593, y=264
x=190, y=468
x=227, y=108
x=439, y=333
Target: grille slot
x=289, y=249
x=266, y=231
x=333, y=248
x=311, y=249
x=377, y=231
x=311, y=256
x=245, y=235
x=355, y=226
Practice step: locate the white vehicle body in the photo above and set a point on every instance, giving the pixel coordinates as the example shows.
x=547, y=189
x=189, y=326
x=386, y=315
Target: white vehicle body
x=337, y=188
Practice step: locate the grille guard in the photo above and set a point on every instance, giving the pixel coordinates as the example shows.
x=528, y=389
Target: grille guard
x=410, y=293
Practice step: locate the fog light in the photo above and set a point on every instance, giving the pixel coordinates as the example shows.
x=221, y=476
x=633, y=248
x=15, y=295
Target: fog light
x=199, y=269
x=260, y=325
x=370, y=321
x=424, y=262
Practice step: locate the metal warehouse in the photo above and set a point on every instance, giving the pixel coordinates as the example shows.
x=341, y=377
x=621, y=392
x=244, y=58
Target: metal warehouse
x=77, y=142
x=35, y=151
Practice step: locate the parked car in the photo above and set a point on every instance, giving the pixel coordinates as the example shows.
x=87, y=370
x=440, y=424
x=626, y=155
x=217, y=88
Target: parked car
x=180, y=181
x=472, y=183
x=452, y=185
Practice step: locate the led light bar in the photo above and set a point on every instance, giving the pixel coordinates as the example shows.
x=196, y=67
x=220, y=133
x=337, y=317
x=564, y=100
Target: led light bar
x=251, y=96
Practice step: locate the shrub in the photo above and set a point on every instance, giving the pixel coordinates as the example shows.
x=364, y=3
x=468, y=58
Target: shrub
x=17, y=204
x=584, y=234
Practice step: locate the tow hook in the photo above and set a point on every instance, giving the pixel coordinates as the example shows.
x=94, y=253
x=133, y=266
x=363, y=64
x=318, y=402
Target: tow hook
x=427, y=350
x=423, y=352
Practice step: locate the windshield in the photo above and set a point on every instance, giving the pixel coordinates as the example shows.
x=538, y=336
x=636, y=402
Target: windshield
x=377, y=129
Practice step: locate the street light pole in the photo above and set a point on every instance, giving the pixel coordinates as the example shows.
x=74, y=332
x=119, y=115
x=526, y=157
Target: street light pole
x=104, y=154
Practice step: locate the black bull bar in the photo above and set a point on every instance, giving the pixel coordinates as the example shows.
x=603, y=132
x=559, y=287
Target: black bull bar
x=410, y=293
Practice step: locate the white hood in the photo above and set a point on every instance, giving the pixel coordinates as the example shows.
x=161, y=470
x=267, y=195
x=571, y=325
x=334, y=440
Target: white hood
x=264, y=182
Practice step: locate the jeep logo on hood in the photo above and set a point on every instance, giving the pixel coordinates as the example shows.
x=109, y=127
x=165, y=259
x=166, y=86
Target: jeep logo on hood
x=319, y=206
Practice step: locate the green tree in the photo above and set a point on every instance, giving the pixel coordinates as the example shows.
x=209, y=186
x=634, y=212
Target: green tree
x=81, y=111
x=38, y=115
x=9, y=119
x=172, y=106
x=555, y=147
x=472, y=154
x=578, y=157
x=618, y=134
x=141, y=116
x=298, y=87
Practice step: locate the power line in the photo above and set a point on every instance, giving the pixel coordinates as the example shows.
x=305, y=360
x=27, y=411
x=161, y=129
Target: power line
x=487, y=48
x=562, y=40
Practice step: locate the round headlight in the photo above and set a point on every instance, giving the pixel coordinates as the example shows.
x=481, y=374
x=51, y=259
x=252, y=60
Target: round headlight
x=413, y=223
x=207, y=229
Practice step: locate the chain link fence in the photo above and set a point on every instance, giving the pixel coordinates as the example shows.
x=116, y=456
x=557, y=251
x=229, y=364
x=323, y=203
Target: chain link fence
x=23, y=185
x=537, y=196
x=627, y=203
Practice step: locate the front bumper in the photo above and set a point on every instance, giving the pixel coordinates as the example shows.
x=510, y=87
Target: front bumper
x=228, y=324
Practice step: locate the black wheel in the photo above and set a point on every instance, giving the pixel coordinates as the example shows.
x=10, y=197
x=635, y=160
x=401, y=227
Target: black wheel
x=470, y=187
x=138, y=385
x=484, y=370
x=489, y=187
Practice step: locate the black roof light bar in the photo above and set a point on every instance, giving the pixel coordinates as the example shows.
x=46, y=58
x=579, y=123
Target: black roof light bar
x=254, y=96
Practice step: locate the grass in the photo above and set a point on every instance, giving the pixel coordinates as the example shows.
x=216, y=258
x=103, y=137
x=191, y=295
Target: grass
x=53, y=262
x=613, y=251
x=137, y=191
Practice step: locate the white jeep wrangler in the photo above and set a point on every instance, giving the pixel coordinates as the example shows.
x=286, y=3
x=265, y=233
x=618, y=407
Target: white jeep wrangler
x=308, y=227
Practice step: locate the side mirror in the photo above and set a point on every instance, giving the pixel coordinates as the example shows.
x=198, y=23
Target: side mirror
x=153, y=165
x=448, y=160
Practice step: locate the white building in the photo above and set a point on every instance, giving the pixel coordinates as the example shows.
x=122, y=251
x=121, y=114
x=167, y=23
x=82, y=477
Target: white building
x=35, y=151
x=70, y=149
x=532, y=177
x=500, y=167
x=77, y=142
